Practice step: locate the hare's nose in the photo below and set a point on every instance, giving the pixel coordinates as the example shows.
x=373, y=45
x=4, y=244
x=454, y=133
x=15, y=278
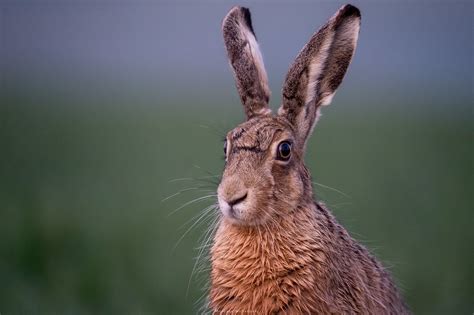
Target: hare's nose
x=237, y=200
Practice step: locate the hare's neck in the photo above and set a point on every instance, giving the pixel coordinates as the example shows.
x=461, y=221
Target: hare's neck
x=280, y=245
x=250, y=262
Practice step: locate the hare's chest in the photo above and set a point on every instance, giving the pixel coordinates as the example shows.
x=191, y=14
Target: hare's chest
x=256, y=279
x=253, y=288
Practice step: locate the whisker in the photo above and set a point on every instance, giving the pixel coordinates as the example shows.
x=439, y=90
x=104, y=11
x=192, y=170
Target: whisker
x=207, y=238
x=191, y=178
x=182, y=191
x=191, y=202
x=206, y=171
x=332, y=188
x=208, y=208
x=204, y=179
x=192, y=226
x=213, y=130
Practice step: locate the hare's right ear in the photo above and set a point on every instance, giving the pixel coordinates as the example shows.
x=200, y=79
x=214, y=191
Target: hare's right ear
x=246, y=61
x=319, y=69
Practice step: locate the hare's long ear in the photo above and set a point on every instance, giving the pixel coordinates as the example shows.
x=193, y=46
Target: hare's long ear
x=319, y=69
x=246, y=61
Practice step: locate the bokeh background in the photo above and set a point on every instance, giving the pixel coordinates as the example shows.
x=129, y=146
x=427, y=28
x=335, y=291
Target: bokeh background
x=107, y=108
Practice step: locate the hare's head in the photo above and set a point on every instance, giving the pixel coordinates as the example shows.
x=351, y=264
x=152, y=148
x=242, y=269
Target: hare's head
x=264, y=175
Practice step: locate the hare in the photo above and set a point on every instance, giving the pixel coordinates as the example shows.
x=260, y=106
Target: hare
x=276, y=250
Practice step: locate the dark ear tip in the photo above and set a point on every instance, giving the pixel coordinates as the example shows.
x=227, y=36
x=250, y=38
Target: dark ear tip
x=239, y=13
x=247, y=18
x=238, y=10
x=234, y=12
x=245, y=10
x=349, y=10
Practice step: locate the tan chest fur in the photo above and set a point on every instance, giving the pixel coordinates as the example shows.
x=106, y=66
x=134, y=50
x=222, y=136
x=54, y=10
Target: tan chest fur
x=305, y=264
x=267, y=269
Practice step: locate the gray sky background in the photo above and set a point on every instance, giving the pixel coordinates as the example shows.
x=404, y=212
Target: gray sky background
x=408, y=48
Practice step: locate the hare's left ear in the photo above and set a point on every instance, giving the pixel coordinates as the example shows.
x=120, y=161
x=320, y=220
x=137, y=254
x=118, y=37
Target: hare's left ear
x=246, y=61
x=319, y=69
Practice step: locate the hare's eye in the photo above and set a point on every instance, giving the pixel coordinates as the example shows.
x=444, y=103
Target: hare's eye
x=284, y=151
x=225, y=147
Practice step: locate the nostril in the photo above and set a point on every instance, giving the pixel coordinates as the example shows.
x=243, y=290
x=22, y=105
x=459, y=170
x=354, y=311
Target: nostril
x=237, y=200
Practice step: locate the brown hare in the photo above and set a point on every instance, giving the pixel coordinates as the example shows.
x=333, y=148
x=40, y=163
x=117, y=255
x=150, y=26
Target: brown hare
x=276, y=250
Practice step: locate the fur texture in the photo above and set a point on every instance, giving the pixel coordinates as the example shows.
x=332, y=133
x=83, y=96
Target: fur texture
x=276, y=250
x=319, y=68
x=247, y=62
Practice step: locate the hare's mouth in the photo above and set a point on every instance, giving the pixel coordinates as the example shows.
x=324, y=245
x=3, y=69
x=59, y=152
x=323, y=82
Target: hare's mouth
x=235, y=208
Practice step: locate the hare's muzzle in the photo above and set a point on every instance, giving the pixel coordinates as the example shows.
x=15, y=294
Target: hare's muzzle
x=232, y=197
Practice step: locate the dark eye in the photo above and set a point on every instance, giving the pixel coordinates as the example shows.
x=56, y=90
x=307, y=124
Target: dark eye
x=284, y=151
x=225, y=147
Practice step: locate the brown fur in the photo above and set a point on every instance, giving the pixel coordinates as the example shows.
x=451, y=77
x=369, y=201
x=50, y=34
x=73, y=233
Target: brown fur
x=276, y=251
x=246, y=61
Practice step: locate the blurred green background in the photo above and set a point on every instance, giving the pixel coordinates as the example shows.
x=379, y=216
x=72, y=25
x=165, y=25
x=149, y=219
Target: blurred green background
x=107, y=108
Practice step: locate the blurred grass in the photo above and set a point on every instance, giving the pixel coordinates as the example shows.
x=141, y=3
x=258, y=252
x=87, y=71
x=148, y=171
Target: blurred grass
x=83, y=228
